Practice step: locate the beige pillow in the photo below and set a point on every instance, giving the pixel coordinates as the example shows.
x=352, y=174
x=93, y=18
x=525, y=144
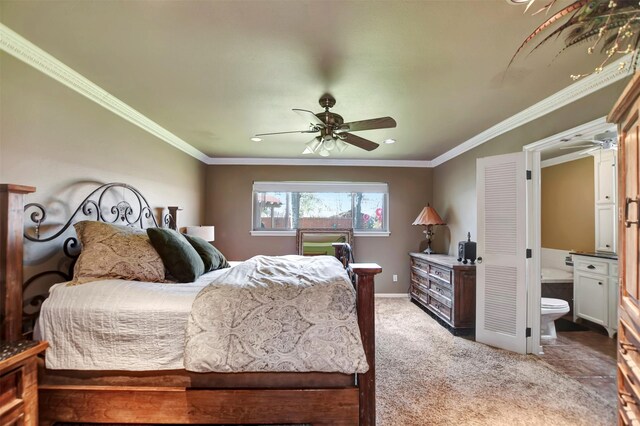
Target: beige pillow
x=114, y=251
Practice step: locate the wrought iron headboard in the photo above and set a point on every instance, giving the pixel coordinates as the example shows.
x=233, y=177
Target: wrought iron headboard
x=95, y=206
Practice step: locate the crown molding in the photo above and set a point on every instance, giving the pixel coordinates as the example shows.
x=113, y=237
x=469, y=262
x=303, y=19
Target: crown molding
x=16, y=45
x=22, y=49
x=584, y=87
x=316, y=162
x=589, y=129
x=566, y=158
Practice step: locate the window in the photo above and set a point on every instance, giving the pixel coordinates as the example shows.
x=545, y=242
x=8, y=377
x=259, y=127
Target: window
x=281, y=207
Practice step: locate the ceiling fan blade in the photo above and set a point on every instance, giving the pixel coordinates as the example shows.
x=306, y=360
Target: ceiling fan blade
x=374, y=123
x=308, y=115
x=365, y=144
x=284, y=133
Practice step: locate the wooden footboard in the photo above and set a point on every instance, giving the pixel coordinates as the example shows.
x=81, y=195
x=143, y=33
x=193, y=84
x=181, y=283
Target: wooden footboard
x=179, y=397
x=183, y=397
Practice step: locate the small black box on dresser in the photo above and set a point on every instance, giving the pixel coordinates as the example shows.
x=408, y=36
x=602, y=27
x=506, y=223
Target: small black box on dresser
x=446, y=289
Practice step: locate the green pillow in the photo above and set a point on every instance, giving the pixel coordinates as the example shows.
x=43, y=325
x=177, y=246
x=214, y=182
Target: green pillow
x=179, y=257
x=210, y=255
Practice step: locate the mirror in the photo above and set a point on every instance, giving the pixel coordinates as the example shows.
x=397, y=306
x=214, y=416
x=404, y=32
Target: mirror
x=317, y=242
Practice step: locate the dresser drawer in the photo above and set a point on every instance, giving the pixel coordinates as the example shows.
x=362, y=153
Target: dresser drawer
x=420, y=276
x=420, y=264
x=591, y=266
x=422, y=294
x=441, y=289
x=441, y=274
x=627, y=403
x=11, y=389
x=628, y=390
x=440, y=308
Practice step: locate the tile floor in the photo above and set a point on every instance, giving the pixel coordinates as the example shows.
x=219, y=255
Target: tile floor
x=587, y=356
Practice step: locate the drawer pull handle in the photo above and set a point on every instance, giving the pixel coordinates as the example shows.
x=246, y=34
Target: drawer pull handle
x=607, y=245
x=591, y=267
x=606, y=197
x=599, y=282
x=628, y=201
x=626, y=398
x=624, y=347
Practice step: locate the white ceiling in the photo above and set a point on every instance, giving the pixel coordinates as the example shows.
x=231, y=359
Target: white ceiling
x=216, y=72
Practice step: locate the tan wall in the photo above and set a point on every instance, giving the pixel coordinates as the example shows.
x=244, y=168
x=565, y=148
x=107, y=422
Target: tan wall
x=454, y=182
x=58, y=141
x=228, y=207
x=567, y=206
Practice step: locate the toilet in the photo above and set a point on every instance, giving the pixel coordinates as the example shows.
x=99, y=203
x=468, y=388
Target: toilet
x=551, y=310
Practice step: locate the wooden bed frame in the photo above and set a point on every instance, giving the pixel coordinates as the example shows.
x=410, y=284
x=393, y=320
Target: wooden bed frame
x=178, y=396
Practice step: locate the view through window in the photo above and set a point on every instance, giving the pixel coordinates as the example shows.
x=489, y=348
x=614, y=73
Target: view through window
x=285, y=206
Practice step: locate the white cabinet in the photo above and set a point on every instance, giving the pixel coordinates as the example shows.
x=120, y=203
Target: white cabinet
x=606, y=227
x=605, y=196
x=605, y=176
x=595, y=291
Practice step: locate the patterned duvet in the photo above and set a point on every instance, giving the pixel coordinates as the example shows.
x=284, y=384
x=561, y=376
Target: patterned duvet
x=287, y=313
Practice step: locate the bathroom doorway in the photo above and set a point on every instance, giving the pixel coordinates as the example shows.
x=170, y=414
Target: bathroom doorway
x=573, y=275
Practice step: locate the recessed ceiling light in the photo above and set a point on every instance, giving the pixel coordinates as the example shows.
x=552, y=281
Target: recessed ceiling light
x=389, y=141
x=516, y=2
x=256, y=139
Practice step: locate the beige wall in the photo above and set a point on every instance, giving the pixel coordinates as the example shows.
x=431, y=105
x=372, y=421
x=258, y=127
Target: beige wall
x=58, y=141
x=228, y=207
x=567, y=206
x=454, y=182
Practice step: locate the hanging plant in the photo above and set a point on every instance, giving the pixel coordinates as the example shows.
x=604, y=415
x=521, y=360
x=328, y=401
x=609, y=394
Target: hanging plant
x=609, y=25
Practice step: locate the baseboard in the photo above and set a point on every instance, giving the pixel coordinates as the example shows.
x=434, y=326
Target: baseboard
x=394, y=295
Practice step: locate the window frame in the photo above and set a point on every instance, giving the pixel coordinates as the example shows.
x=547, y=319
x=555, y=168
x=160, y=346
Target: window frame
x=320, y=186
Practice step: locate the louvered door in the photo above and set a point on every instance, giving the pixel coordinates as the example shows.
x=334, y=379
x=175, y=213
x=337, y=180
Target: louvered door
x=501, y=297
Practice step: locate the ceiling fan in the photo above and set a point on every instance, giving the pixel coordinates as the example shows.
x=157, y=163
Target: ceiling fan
x=334, y=132
x=606, y=140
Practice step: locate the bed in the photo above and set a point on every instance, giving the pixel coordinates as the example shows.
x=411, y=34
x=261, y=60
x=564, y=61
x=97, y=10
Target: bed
x=173, y=395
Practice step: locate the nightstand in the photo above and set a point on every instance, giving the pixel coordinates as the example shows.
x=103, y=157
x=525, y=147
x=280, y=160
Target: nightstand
x=19, y=382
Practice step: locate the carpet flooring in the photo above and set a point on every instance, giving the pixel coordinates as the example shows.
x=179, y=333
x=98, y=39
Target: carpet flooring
x=427, y=376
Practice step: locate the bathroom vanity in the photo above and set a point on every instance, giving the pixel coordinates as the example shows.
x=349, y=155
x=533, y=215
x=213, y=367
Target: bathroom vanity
x=595, y=289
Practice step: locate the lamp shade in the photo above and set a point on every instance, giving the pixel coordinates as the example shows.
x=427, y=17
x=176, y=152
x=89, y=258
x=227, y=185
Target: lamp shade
x=428, y=216
x=207, y=233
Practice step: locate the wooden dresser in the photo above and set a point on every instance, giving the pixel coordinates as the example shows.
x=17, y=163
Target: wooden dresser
x=19, y=382
x=446, y=288
x=626, y=113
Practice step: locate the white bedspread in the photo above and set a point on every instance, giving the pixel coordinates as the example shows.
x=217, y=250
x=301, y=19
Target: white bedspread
x=117, y=324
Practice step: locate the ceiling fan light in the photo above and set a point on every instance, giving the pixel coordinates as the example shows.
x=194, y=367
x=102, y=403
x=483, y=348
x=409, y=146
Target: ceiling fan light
x=340, y=145
x=313, y=145
x=329, y=144
x=323, y=152
x=307, y=150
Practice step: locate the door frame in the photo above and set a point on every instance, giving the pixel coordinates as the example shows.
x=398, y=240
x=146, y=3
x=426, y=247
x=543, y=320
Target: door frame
x=534, y=217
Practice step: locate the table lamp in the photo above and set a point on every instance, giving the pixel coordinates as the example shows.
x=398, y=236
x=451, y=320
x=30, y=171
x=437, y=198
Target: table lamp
x=428, y=217
x=207, y=233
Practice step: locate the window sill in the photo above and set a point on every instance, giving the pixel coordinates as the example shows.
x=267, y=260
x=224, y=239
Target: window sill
x=293, y=234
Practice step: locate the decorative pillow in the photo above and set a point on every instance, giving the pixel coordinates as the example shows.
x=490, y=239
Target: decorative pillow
x=114, y=251
x=211, y=256
x=181, y=260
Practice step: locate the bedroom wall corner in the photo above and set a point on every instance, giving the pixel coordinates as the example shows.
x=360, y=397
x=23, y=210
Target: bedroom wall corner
x=64, y=145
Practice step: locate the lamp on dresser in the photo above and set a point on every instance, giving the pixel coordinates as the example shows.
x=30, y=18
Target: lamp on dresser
x=207, y=233
x=428, y=217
